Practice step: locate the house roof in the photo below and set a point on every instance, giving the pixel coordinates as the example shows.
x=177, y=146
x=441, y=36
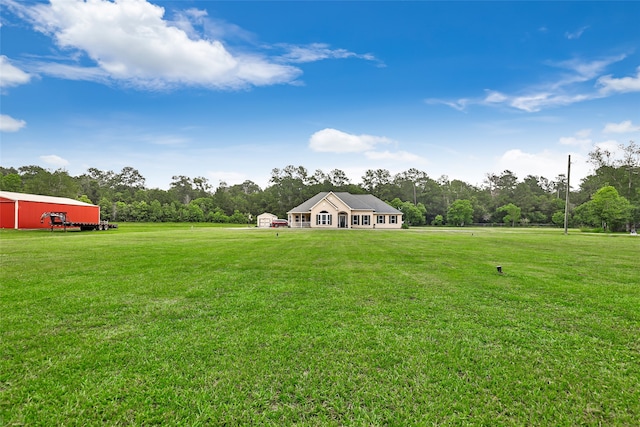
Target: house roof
x=24, y=197
x=365, y=202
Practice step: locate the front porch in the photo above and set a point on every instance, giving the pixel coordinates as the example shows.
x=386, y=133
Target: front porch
x=300, y=224
x=299, y=221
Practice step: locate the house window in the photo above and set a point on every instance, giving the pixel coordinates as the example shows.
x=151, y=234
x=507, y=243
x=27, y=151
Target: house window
x=380, y=219
x=366, y=219
x=323, y=218
x=355, y=220
x=393, y=219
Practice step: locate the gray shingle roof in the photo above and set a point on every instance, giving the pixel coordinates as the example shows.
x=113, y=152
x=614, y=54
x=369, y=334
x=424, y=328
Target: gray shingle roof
x=306, y=206
x=354, y=201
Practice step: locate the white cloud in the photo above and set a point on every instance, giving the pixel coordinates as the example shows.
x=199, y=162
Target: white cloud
x=610, y=145
x=11, y=75
x=335, y=141
x=572, y=140
x=547, y=163
x=495, y=97
x=538, y=101
x=584, y=133
x=214, y=28
x=131, y=42
x=622, y=127
x=9, y=124
x=566, y=88
x=611, y=150
x=530, y=103
x=581, y=139
x=582, y=71
x=71, y=72
x=319, y=51
x=576, y=34
x=610, y=84
x=460, y=104
x=54, y=160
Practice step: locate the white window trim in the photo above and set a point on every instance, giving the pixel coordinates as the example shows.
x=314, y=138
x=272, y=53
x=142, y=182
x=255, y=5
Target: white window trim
x=324, y=218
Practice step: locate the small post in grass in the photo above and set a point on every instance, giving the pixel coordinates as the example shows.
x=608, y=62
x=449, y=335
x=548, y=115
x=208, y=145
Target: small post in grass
x=499, y=268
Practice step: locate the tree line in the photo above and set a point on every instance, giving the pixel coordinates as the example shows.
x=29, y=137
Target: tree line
x=608, y=199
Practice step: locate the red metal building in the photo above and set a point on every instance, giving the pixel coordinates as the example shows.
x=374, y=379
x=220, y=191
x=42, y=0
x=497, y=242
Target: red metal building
x=23, y=211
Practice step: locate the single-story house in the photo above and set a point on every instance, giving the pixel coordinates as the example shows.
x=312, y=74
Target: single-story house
x=344, y=210
x=265, y=219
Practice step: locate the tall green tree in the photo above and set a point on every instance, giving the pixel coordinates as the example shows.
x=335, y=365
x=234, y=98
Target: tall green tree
x=37, y=180
x=611, y=209
x=411, y=214
x=507, y=182
x=460, y=213
x=558, y=218
x=621, y=171
x=182, y=189
x=411, y=185
x=513, y=213
x=11, y=182
x=339, y=179
x=289, y=188
x=130, y=179
x=379, y=183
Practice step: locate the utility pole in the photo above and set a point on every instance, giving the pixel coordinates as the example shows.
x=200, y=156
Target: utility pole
x=566, y=200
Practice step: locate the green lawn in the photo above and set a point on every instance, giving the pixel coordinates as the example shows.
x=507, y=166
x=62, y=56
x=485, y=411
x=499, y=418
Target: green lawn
x=203, y=325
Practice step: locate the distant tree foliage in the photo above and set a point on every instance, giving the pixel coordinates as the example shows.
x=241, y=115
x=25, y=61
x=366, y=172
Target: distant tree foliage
x=412, y=214
x=512, y=213
x=502, y=197
x=11, y=182
x=606, y=210
x=460, y=213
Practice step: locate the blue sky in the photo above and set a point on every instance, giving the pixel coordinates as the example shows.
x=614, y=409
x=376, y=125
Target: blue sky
x=230, y=90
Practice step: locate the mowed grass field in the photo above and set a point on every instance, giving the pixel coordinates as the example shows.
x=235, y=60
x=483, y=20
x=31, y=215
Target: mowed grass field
x=203, y=325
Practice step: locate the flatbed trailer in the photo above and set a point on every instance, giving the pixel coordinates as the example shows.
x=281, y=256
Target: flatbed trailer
x=59, y=220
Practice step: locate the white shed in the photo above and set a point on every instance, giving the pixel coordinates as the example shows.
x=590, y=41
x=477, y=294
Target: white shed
x=265, y=219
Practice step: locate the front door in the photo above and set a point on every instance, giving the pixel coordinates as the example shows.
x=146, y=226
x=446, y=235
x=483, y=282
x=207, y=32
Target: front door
x=342, y=220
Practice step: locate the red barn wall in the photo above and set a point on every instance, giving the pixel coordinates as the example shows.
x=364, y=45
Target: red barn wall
x=29, y=213
x=7, y=213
